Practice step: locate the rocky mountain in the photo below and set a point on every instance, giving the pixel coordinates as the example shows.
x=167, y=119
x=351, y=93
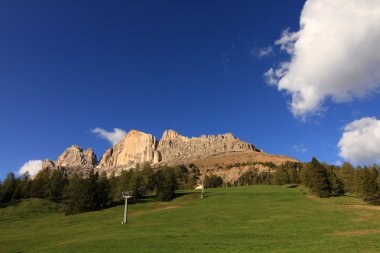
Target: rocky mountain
x=138, y=147
x=212, y=154
x=73, y=159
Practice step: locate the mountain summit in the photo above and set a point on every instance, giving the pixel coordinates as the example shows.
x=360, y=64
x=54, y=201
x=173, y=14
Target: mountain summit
x=173, y=148
x=223, y=154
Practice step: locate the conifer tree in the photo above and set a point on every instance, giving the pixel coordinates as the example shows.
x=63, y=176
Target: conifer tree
x=76, y=195
x=166, y=184
x=347, y=174
x=57, y=182
x=336, y=185
x=104, y=190
x=40, y=184
x=364, y=183
x=8, y=188
x=317, y=178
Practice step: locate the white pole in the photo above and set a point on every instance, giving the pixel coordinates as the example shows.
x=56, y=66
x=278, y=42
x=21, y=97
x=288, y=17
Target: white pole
x=125, y=211
x=203, y=192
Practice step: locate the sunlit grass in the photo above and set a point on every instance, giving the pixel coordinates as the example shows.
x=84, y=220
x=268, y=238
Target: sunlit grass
x=238, y=219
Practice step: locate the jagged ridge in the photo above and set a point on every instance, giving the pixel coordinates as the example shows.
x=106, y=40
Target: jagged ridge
x=138, y=147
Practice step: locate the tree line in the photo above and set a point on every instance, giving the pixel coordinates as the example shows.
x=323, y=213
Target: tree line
x=95, y=191
x=322, y=179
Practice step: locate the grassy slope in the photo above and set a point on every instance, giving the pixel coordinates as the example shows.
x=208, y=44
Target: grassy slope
x=240, y=219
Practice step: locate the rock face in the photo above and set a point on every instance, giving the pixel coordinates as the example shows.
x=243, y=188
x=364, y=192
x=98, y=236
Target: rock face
x=75, y=156
x=47, y=164
x=73, y=159
x=174, y=146
x=138, y=147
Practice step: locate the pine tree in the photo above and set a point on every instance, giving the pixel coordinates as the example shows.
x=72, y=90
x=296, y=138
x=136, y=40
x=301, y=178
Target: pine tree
x=23, y=185
x=364, y=183
x=76, y=195
x=336, y=185
x=317, y=178
x=57, y=182
x=147, y=178
x=8, y=188
x=166, y=184
x=104, y=190
x=92, y=191
x=347, y=174
x=40, y=184
x=115, y=192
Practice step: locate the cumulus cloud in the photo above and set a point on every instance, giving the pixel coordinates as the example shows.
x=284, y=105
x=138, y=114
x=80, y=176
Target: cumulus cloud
x=360, y=142
x=262, y=52
x=113, y=137
x=335, y=55
x=32, y=167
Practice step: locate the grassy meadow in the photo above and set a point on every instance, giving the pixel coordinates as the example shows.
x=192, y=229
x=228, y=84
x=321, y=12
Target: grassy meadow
x=237, y=219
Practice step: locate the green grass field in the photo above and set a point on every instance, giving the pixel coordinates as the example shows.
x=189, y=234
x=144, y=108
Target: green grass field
x=238, y=219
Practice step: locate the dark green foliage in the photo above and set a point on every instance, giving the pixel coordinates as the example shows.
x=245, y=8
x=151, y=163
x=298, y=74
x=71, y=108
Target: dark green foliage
x=86, y=194
x=254, y=177
x=166, y=184
x=336, y=185
x=347, y=174
x=365, y=184
x=316, y=178
x=293, y=169
x=40, y=184
x=281, y=176
x=57, y=182
x=147, y=179
x=75, y=197
x=250, y=177
x=266, y=164
x=8, y=189
x=23, y=185
x=104, y=190
x=213, y=181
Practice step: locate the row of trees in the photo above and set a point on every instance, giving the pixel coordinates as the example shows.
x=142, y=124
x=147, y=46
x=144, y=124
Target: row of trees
x=97, y=191
x=85, y=193
x=287, y=173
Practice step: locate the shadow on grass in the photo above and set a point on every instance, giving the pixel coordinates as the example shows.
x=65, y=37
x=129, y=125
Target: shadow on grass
x=12, y=203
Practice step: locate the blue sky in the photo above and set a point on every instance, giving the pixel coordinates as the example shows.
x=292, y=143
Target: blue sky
x=67, y=67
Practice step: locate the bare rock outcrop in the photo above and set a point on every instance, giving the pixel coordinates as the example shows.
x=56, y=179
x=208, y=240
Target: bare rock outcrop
x=73, y=159
x=175, y=147
x=138, y=147
x=135, y=148
x=75, y=156
x=47, y=164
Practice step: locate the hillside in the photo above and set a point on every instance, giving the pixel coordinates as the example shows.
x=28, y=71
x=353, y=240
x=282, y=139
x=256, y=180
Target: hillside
x=231, y=165
x=238, y=219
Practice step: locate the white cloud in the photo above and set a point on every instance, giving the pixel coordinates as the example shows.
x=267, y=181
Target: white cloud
x=287, y=41
x=334, y=55
x=113, y=137
x=262, y=52
x=300, y=148
x=32, y=166
x=360, y=142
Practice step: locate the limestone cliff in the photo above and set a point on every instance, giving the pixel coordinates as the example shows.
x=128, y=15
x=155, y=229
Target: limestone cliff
x=138, y=147
x=174, y=146
x=75, y=156
x=73, y=159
